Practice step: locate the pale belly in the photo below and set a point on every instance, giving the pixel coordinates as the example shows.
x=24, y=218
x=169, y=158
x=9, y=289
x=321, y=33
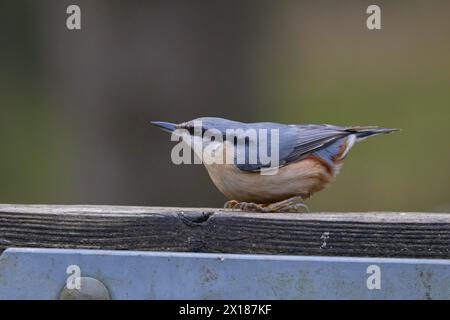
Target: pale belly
x=302, y=178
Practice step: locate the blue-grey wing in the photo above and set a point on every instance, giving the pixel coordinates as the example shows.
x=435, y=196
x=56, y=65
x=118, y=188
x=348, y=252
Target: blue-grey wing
x=295, y=142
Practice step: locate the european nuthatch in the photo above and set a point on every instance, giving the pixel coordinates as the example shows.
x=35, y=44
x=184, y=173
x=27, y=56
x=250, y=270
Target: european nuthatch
x=299, y=160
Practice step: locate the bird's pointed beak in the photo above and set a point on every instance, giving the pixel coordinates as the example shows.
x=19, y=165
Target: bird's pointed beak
x=166, y=126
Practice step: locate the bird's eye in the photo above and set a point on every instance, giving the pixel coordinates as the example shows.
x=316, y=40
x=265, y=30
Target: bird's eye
x=192, y=130
x=244, y=142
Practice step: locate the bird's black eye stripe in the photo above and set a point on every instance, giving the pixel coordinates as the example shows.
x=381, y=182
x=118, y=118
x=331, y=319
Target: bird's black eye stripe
x=191, y=130
x=244, y=142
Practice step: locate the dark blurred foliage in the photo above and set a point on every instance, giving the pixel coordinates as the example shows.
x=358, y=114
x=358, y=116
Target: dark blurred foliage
x=75, y=105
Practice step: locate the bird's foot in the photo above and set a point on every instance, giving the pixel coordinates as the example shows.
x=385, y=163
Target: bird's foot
x=246, y=206
x=231, y=204
x=294, y=204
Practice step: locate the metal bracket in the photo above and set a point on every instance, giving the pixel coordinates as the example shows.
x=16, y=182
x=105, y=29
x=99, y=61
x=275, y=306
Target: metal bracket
x=27, y=273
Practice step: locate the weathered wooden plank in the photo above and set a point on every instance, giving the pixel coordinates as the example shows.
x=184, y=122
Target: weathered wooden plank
x=416, y=235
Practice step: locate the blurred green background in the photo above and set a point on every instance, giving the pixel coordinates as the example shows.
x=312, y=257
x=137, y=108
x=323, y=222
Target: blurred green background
x=75, y=106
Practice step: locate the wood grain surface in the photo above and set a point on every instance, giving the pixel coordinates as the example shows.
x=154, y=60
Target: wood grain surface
x=371, y=234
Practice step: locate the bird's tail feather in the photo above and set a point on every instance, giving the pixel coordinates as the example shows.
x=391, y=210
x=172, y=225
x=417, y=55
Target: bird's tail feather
x=364, y=132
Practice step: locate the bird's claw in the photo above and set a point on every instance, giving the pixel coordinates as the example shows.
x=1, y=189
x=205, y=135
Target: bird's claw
x=294, y=204
x=245, y=206
x=231, y=204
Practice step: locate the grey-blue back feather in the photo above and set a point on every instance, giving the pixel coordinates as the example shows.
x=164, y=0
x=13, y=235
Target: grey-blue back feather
x=295, y=141
x=329, y=152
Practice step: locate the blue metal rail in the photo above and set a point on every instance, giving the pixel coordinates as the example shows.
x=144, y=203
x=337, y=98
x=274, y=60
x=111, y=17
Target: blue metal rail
x=27, y=273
